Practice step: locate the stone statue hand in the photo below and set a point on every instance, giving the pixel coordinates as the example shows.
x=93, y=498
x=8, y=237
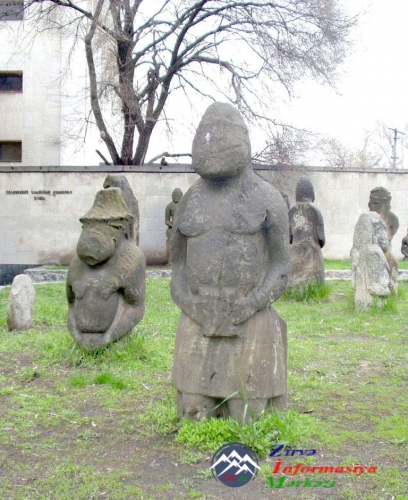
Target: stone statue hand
x=241, y=310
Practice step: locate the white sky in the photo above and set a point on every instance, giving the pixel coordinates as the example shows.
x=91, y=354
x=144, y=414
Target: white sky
x=372, y=85
x=374, y=78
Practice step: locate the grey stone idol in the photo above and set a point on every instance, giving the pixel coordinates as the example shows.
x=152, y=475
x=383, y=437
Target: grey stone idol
x=106, y=280
x=306, y=237
x=369, y=267
x=380, y=202
x=230, y=261
x=404, y=247
x=169, y=216
x=20, y=306
x=120, y=181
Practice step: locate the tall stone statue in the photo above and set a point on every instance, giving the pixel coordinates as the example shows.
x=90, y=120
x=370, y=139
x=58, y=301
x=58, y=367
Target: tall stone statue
x=369, y=267
x=169, y=215
x=380, y=202
x=404, y=247
x=230, y=261
x=120, y=181
x=106, y=280
x=306, y=237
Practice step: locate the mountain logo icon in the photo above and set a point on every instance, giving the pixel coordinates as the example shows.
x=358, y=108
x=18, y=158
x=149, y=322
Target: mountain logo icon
x=234, y=464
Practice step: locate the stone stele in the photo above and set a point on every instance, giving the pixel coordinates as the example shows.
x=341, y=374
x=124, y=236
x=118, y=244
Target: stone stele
x=404, y=247
x=120, y=181
x=230, y=257
x=106, y=280
x=20, y=306
x=169, y=216
x=380, y=202
x=306, y=230
x=369, y=267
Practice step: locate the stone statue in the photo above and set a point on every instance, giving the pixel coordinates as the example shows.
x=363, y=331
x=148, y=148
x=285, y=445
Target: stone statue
x=20, y=306
x=170, y=212
x=404, y=247
x=380, y=202
x=369, y=267
x=120, y=181
x=106, y=280
x=229, y=256
x=306, y=237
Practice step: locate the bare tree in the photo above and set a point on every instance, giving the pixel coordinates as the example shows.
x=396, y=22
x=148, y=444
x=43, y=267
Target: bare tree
x=239, y=50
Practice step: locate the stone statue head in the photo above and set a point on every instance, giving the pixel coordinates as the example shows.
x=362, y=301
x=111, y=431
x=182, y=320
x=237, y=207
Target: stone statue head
x=304, y=190
x=176, y=195
x=380, y=200
x=221, y=146
x=104, y=226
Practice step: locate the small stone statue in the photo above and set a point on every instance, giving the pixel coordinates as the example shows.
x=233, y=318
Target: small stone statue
x=20, y=307
x=120, y=181
x=306, y=237
x=380, y=202
x=369, y=267
x=169, y=217
x=106, y=280
x=229, y=256
x=404, y=247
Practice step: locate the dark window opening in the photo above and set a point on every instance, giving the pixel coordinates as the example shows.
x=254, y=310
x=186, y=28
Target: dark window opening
x=10, y=151
x=11, y=82
x=11, y=10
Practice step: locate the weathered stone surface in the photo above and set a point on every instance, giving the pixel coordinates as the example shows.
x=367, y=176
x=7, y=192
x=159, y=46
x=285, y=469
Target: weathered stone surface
x=369, y=267
x=380, y=202
x=20, y=304
x=230, y=261
x=169, y=216
x=306, y=237
x=404, y=247
x=120, y=181
x=106, y=280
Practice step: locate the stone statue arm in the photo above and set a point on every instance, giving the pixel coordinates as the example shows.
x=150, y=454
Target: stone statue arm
x=167, y=217
x=190, y=304
x=276, y=277
x=394, y=224
x=320, y=236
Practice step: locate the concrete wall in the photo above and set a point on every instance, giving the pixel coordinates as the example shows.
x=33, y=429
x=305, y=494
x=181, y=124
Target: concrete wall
x=38, y=228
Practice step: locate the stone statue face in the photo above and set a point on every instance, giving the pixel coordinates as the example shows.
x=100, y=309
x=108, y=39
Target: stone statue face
x=221, y=147
x=176, y=195
x=98, y=242
x=380, y=201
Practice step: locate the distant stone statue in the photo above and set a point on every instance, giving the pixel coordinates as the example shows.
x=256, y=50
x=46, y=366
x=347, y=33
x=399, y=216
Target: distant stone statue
x=404, y=247
x=20, y=306
x=380, y=202
x=106, y=280
x=169, y=216
x=120, y=181
x=369, y=267
x=230, y=261
x=306, y=237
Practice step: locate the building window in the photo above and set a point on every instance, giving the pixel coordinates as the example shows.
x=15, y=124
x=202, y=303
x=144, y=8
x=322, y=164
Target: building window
x=11, y=10
x=11, y=82
x=10, y=151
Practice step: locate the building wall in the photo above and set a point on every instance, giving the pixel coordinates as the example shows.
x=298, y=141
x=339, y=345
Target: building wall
x=42, y=228
x=34, y=115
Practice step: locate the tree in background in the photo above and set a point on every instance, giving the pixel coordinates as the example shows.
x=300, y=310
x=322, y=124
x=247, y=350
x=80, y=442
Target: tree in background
x=139, y=52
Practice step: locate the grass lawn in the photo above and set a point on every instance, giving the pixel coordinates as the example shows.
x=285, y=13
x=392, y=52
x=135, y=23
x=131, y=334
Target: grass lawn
x=345, y=264
x=79, y=426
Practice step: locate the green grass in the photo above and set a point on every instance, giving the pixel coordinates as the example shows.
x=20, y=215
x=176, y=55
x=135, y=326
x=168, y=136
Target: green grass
x=345, y=264
x=97, y=423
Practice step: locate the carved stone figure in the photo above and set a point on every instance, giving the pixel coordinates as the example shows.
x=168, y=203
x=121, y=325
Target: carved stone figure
x=120, y=181
x=404, y=247
x=380, y=202
x=20, y=307
x=170, y=213
x=230, y=261
x=106, y=280
x=306, y=237
x=369, y=267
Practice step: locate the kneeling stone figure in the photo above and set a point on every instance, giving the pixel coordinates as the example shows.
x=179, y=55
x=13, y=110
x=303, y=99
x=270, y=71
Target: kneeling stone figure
x=106, y=280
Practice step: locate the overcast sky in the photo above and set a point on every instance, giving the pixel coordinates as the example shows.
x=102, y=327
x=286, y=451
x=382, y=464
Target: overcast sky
x=374, y=82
